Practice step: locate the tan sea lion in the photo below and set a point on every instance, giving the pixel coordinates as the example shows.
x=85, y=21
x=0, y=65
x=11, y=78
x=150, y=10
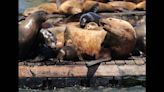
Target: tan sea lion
x=115, y=5
x=85, y=41
x=122, y=38
x=141, y=5
x=47, y=7
x=91, y=26
x=71, y=7
x=101, y=6
x=134, y=1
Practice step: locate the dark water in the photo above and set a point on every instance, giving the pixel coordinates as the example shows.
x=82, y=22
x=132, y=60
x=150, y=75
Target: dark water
x=23, y=4
x=85, y=89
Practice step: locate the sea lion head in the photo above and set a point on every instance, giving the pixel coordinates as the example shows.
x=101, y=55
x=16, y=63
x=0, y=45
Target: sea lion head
x=39, y=16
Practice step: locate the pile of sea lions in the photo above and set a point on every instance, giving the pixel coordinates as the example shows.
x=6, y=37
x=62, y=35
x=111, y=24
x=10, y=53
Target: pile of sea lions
x=72, y=30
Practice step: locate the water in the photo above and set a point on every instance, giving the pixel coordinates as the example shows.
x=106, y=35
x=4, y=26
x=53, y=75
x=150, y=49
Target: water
x=85, y=89
x=23, y=4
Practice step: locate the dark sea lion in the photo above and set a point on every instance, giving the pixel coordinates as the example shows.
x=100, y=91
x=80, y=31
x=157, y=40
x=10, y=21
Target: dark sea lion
x=28, y=32
x=49, y=38
x=67, y=53
x=89, y=17
x=140, y=29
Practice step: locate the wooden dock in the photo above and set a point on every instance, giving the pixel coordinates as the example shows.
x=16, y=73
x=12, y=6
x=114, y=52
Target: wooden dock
x=133, y=66
x=113, y=73
x=48, y=74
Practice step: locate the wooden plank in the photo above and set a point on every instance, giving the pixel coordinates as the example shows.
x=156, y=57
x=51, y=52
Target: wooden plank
x=144, y=59
x=130, y=62
x=80, y=71
x=125, y=13
x=110, y=62
x=119, y=62
x=139, y=61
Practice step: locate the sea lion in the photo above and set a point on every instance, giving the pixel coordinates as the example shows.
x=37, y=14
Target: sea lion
x=134, y=1
x=49, y=38
x=91, y=26
x=31, y=10
x=101, y=7
x=59, y=31
x=71, y=7
x=141, y=5
x=121, y=5
x=122, y=38
x=29, y=31
x=67, y=53
x=89, y=17
x=103, y=1
x=47, y=7
x=86, y=41
x=140, y=29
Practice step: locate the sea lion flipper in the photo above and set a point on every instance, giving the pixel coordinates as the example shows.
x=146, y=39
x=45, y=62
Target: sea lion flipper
x=91, y=63
x=94, y=8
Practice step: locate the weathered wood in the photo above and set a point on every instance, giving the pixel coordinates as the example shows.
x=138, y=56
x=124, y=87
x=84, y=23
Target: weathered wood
x=119, y=62
x=110, y=62
x=124, y=13
x=130, y=62
x=80, y=71
x=144, y=59
x=139, y=61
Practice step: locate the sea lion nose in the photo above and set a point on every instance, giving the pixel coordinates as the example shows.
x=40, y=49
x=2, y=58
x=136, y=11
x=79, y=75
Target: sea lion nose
x=102, y=23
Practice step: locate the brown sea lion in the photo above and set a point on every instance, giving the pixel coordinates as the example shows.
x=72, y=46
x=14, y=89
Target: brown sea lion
x=122, y=38
x=29, y=31
x=67, y=53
